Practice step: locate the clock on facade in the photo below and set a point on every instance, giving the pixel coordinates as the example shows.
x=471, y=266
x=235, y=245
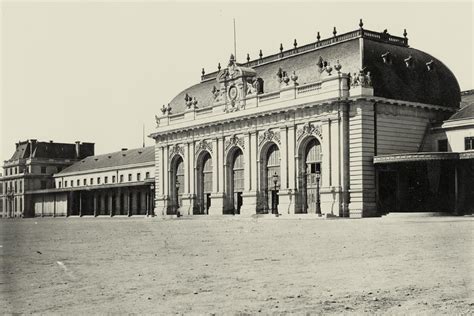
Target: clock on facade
x=233, y=93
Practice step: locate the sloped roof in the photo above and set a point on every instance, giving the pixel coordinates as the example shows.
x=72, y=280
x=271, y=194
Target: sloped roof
x=467, y=106
x=115, y=159
x=50, y=150
x=393, y=80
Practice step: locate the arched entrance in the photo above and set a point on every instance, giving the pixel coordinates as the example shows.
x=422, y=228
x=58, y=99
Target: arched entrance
x=176, y=184
x=270, y=178
x=235, y=180
x=309, y=177
x=204, y=183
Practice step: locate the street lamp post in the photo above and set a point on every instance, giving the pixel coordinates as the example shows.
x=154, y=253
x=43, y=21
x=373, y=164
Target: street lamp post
x=318, y=200
x=275, y=182
x=177, y=196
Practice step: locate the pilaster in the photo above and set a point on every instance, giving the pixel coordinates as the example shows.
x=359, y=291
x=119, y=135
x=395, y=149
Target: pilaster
x=361, y=154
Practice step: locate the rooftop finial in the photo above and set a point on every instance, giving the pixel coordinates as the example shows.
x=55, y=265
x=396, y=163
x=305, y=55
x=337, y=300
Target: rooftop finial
x=405, y=33
x=203, y=72
x=248, y=57
x=295, y=44
x=260, y=54
x=318, y=37
x=361, y=24
x=219, y=66
x=281, y=47
x=334, y=32
x=231, y=60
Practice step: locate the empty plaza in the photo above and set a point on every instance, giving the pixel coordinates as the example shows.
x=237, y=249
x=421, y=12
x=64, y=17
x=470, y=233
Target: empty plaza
x=226, y=265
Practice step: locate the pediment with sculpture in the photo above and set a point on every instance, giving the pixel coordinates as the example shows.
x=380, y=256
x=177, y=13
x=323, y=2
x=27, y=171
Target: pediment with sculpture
x=234, y=84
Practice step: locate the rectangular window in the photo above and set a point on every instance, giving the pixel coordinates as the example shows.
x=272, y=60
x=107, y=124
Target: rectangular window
x=106, y=179
x=43, y=169
x=92, y=181
x=59, y=184
x=147, y=175
x=113, y=179
x=129, y=177
x=84, y=181
x=65, y=184
x=442, y=145
x=20, y=187
x=139, y=176
x=78, y=182
x=72, y=183
x=121, y=178
x=468, y=143
x=43, y=184
x=98, y=180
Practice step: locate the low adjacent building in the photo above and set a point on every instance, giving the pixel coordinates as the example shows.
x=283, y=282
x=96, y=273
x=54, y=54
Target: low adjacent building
x=437, y=177
x=31, y=168
x=118, y=183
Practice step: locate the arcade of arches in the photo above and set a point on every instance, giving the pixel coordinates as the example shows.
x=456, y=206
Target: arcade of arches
x=245, y=175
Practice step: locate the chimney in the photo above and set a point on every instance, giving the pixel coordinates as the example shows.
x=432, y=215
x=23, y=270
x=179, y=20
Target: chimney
x=78, y=149
x=32, y=145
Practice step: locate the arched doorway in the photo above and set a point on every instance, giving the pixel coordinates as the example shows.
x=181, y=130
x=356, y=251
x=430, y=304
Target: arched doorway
x=270, y=175
x=176, y=185
x=235, y=180
x=309, y=177
x=204, y=183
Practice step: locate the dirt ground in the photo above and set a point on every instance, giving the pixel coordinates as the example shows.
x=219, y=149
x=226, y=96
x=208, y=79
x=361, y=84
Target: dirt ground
x=237, y=266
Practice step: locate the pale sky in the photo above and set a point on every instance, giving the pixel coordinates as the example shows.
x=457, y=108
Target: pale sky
x=95, y=71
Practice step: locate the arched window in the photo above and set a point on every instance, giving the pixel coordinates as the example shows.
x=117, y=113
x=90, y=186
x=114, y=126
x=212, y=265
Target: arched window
x=273, y=166
x=179, y=183
x=236, y=180
x=204, y=180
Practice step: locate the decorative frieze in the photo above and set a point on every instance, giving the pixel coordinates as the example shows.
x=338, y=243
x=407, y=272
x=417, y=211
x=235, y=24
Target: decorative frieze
x=234, y=140
x=267, y=136
x=309, y=129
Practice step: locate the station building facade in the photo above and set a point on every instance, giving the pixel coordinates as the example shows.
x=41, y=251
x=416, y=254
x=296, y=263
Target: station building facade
x=300, y=131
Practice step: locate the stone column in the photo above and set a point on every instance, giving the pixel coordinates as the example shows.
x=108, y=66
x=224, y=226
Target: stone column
x=327, y=194
x=162, y=195
x=283, y=193
x=291, y=178
x=129, y=202
x=110, y=203
x=249, y=196
x=217, y=196
x=95, y=204
x=185, y=208
x=344, y=161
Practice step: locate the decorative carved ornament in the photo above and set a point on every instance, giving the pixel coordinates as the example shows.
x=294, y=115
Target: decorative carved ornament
x=309, y=129
x=234, y=141
x=203, y=145
x=269, y=135
x=176, y=149
x=363, y=79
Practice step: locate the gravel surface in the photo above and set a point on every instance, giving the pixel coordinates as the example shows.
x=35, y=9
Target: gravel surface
x=237, y=266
